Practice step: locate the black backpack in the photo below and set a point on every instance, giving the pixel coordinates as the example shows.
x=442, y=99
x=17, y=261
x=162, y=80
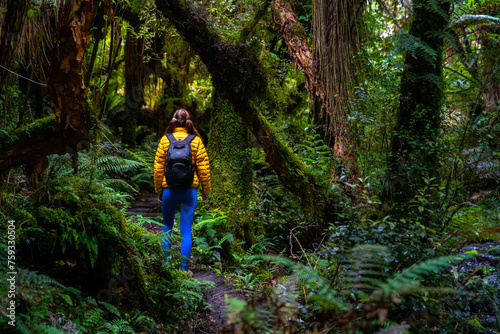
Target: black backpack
x=179, y=169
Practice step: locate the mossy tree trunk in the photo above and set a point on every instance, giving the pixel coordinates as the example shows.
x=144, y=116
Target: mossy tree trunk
x=237, y=75
x=68, y=130
x=231, y=170
x=135, y=71
x=414, y=147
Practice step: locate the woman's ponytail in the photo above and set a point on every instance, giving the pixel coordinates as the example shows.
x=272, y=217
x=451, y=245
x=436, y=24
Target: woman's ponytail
x=181, y=120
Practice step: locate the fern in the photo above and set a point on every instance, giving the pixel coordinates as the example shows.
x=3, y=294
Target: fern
x=94, y=318
x=417, y=48
x=119, y=326
x=315, y=153
x=21, y=327
x=210, y=223
x=410, y=280
x=110, y=308
x=364, y=267
x=469, y=20
x=120, y=185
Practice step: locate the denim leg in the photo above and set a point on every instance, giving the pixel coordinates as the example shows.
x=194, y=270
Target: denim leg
x=168, y=205
x=188, y=206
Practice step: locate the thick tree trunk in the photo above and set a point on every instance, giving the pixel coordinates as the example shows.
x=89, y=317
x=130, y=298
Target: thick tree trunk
x=65, y=80
x=67, y=131
x=336, y=42
x=135, y=72
x=414, y=149
x=329, y=84
x=13, y=18
x=231, y=170
x=242, y=82
x=294, y=35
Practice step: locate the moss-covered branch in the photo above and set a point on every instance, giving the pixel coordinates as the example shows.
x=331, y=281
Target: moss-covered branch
x=30, y=143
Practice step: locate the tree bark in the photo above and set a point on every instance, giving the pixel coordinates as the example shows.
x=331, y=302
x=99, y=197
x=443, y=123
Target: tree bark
x=294, y=35
x=414, y=148
x=241, y=81
x=231, y=170
x=336, y=41
x=13, y=20
x=135, y=72
x=66, y=130
x=65, y=79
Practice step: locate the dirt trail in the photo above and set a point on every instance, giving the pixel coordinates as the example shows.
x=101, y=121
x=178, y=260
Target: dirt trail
x=213, y=321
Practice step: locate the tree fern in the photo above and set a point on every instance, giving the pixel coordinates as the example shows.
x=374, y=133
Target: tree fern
x=364, y=267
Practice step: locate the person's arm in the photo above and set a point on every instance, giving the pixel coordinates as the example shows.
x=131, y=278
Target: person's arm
x=203, y=166
x=159, y=166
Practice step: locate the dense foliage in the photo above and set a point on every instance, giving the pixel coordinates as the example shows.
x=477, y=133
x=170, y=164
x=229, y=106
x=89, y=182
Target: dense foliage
x=406, y=241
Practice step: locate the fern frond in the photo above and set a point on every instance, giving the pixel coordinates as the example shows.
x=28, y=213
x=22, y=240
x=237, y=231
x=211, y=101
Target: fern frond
x=210, y=223
x=365, y=267
x=117, y=164
x=119, y=184
x=21, y=327
x=110, y=308
x=410, y=280
x=119, y=326
x=417, y=48
x=94, y=318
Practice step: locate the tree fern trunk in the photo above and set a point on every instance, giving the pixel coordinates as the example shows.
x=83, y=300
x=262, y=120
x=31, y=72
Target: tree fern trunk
x=134, y=84
x=336, y=42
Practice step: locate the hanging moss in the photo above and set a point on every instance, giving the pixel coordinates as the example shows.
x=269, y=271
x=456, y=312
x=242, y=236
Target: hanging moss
x=231, y=170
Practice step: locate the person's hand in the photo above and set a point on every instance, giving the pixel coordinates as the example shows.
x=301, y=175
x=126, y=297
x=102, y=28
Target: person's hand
x=204, y=198
x=160, y=196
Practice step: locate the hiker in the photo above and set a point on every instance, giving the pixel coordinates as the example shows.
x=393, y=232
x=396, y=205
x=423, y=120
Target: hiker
x=177, y=177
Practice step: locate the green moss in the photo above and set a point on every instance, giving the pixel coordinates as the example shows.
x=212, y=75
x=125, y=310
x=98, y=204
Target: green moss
x=39, y=127
x=232, y=171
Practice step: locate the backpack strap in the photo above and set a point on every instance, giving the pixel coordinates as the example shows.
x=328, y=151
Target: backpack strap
x=189, y=138
x=170, y=137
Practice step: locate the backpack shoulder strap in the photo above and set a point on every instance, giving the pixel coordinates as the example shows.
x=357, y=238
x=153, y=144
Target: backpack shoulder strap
x=189, y=138
x=170, y=137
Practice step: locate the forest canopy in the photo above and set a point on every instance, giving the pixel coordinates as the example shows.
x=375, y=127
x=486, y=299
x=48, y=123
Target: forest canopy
x=354, y=152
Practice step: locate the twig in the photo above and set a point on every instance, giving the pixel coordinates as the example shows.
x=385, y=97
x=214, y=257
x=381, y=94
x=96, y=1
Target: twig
x=291, y=232
x=468, y=278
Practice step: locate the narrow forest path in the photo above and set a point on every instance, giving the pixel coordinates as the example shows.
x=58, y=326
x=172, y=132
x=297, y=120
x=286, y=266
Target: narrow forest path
x=213, y=321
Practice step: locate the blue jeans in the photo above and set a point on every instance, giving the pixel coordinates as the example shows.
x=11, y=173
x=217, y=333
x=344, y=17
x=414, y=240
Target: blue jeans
x=187, y=198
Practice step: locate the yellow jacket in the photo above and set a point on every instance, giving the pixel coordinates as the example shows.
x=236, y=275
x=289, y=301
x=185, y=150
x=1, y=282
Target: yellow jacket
x=200, y=160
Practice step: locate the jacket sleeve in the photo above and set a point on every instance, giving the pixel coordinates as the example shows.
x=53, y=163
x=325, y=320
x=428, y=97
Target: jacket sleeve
x=203, y=167
x=159, y=165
